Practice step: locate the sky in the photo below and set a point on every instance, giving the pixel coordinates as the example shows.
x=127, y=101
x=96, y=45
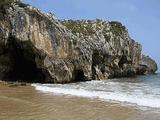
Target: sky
x=141, y=17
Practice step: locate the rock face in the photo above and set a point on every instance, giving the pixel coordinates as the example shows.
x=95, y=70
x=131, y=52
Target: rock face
x=147, y=65
x=36, y=47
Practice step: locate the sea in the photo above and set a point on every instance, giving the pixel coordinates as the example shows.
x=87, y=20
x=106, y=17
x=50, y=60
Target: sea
x=139, y=91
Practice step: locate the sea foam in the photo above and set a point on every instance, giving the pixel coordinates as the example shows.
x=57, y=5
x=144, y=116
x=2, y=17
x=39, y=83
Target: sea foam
x=133, y=93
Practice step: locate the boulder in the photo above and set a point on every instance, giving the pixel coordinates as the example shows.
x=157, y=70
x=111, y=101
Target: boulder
x=147, y=66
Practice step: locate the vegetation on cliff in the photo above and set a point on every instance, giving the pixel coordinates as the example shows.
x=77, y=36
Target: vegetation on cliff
x=117, y=27
x=78, y=26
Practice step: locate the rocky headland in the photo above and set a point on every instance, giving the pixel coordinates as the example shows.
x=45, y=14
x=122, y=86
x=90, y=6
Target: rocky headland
x=38, y=47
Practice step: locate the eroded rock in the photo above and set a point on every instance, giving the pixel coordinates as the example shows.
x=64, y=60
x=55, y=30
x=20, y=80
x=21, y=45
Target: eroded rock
x=39, y=48
x=147, y=65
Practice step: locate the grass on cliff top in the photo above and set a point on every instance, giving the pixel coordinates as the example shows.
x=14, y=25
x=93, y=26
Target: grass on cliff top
x=86, y=27
x=80, y=26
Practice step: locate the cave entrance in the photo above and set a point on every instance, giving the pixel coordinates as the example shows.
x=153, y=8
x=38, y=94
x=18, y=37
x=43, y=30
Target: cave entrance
x=121, y=62
x=79, y=75
x=24, y=67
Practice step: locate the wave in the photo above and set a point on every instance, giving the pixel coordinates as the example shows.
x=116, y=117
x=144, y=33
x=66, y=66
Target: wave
x=134, y=93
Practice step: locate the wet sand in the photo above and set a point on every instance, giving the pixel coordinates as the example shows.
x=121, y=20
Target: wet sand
x=25, y=103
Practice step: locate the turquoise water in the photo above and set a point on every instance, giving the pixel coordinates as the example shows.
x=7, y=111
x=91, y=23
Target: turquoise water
x=139, y=91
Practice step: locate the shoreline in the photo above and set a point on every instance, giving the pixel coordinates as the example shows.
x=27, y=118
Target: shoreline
x=18, y=84
x=24, y=102
x=13, y=83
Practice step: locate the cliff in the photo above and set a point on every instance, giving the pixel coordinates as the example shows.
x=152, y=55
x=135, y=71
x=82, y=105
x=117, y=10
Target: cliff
x=37, y=47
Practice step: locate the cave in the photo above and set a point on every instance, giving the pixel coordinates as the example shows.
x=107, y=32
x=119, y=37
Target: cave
x=122, y=61
x=97, y=60
x=79, y=75
x=23, y=65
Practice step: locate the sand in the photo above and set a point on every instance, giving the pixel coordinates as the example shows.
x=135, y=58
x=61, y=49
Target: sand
x=25, y=103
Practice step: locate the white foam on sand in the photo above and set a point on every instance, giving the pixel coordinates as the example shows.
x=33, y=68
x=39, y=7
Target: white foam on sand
x=134, y=93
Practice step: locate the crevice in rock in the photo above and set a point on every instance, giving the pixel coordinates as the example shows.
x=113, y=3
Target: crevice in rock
x=97, y=59
x=79, y=75
x=122, y=61
x=23, y=64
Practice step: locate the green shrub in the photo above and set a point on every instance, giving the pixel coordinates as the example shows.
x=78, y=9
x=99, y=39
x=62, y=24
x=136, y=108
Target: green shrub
x=117, y=27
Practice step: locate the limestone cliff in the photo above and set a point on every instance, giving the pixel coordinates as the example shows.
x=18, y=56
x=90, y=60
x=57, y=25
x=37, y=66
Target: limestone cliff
x=147, y=65
x=36, y=47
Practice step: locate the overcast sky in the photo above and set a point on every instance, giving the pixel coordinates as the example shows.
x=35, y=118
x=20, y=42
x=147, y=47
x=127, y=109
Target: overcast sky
x=141, y=17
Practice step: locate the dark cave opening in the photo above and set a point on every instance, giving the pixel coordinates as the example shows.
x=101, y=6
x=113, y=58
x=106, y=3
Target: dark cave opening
x=122, y=61
x=24, y=67
x=97, y=59
x=79, y=75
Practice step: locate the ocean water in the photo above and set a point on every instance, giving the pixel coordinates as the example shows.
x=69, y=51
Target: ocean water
x=138, y=91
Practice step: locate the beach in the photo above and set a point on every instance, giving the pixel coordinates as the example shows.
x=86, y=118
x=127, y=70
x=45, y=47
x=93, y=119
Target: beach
x=94, y=60
x=26, y=103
